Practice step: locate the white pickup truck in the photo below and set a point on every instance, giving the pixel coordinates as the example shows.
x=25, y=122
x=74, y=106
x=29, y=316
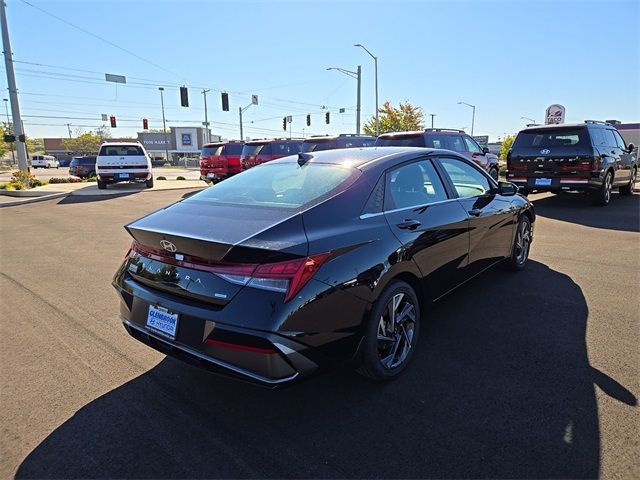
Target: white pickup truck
x=123, y=162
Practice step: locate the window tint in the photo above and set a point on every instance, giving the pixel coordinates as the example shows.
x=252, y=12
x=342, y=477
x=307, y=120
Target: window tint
x=284, y=149
x=472, y=146
x=88, y=161
x=284, y=185
x=232, y=149
x=435, y=141
x=266, y=150
x=467, y=180
x=212, y=150
x=252, y=149
x=609, y=139
x=597, y=137
x=401, y=141
x=120, y=150
x=620, y=140
x=547, y=138
x=413, y=185
x=456, y=143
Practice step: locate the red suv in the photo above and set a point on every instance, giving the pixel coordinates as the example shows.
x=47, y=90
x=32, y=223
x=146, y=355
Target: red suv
x=220, y=160
x=256, y=152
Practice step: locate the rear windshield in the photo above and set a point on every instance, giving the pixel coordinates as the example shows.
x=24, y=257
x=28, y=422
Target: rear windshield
x=252, y=149
x=318, y=145
x=280, y=185
x=211, y=150
x=120, y=150
x=401, y=141
x=232, y=149
x=557, y=137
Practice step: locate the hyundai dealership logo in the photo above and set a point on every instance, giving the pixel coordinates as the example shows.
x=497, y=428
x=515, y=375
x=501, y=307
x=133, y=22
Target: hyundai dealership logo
x=545, y=151
x=168, y=246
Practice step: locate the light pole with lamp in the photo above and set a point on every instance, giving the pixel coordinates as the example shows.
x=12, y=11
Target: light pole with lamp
x=375, y=61
x=13, y=155
x=164, y=124
x=432, y=115
x=254, y=101
x=358, y=76
x=527, y=118
x=473, y=115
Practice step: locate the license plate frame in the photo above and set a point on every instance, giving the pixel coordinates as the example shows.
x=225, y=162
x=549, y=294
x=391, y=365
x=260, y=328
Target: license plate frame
x=161, y=321
x=543, y=182
x=124, y=175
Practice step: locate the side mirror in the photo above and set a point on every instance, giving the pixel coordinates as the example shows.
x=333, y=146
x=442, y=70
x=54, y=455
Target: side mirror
x=485, y=150
x=631, y=147
x=507, y=189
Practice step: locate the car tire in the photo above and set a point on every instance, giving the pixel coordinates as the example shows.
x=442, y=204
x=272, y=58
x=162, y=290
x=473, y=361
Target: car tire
x=602, y=196
x=383, y=354
x=495, y=174
x=521, y=246
x=102, y=185
x=628, y=188
x=149, y=183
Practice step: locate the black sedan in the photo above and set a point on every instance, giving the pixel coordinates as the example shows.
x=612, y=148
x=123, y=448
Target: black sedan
x=317, y=260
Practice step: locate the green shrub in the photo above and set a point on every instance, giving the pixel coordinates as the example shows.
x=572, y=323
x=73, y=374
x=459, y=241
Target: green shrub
x=161, y=178
x=3, y=186
x=25, y=180
x=65, y=180
x=92, y=179
x=180, y=178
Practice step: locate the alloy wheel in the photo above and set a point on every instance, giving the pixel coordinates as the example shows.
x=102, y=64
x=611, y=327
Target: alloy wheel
x=607, y=188
x=396, y=330
x=523, y=242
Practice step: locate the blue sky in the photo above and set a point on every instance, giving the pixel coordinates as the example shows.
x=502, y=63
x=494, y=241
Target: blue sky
x=509, y=58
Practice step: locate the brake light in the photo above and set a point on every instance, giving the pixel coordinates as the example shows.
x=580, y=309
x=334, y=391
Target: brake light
x=576, y=167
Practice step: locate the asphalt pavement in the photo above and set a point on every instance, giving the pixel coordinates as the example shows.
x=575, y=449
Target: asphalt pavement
x=518, y=375
x=45, y=174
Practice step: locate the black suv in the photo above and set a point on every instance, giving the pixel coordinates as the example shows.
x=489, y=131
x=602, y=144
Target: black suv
x=344, y=140
x=589, y=156
x=83, y=167
x=447, y=138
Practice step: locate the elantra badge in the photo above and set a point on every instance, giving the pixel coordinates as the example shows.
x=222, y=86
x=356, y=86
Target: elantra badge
x=545, y=151
x=168, y=246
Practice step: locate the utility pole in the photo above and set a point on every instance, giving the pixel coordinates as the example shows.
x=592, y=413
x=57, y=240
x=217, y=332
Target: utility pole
x=254, y=101
x=206, y=118
x=6, y=107
x=473, y=114
x=358, y=76
x=432, y=115
x=375, y=61
x=69, y=129
x=164, y=124
x=13, y=91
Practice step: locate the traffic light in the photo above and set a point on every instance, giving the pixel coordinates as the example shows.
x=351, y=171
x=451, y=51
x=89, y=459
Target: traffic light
x=308, y=120
x=225, y=102
x=9, y=138
x=112, y=118
x=284, y=123
x=145, y=124
x=184, y=97
x=327, y=118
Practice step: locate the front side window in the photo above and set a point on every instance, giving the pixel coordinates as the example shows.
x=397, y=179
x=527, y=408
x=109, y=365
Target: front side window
x=467, y=180
x=232, y=149
x=620, y=140
x=413, y=185
x=472, y=146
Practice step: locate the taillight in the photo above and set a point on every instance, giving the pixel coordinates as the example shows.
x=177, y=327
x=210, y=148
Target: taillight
x=576, y=167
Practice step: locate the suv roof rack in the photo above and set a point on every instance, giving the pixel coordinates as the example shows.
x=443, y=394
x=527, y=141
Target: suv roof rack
x=444, y=130
x=352, y=135
x=598, y=122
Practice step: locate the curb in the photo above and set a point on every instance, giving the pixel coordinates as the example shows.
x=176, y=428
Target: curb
x=26, y=200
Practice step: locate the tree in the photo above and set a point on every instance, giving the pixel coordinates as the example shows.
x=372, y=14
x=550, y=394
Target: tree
x=404, y=118
x=87, y=143
x=4, y=146
x=506, y=146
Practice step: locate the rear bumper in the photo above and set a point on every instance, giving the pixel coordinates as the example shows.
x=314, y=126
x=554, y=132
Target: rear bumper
x=555, y=184
x=113, y=177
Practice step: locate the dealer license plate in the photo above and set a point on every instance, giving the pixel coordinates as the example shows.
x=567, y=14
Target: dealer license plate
x=162, y=321
x=543, y=182
x=124, y=175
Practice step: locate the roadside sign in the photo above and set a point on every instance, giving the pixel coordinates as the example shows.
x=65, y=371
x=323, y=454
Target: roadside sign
x=105, y=117
x=483, y=140
x=254, y=99
x=289, y=118
x=115, y=78
x=554, y=115
x=205, y=124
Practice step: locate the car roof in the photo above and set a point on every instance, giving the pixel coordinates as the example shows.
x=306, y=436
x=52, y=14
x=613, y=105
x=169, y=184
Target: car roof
x=363, y=157
x=325, y=138
x=416, y=133
x=264, y=141
x=567, y=125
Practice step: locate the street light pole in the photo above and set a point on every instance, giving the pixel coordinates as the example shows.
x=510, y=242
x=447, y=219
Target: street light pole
x=254, y=101
x=473, y=115
x=18, y=131
x=357, y=75
x=164, y=124
x=527, y=118
x=6, y=107
x=375, y=62
x=206, y=118
x=432, y=115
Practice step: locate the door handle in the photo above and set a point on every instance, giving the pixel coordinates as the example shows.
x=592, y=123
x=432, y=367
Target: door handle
x=409, y=224
x=475, y=212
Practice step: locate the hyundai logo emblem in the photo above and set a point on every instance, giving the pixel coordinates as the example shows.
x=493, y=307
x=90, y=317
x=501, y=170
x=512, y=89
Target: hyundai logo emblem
x=545, y=151
x=168, y=246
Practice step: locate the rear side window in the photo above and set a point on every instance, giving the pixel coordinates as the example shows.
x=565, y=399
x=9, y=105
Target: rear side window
x=120, y=150
x=318, y=145
x=232, y=149
x=549, y=138
x=88, y=161
x=435, y=141
x=281, y=185
x=401, y=141
x=210, y=151
x=285, y=148
x=74, y=162
x=598, y=138
x=252, y=149
x=456, y=143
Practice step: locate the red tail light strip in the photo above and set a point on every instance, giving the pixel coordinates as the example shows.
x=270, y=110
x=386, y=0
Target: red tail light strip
x=236, y=346
x=120, y=167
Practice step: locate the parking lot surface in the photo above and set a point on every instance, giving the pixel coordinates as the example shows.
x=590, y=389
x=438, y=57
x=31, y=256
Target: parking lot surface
x=45, y=174
x=531, y=374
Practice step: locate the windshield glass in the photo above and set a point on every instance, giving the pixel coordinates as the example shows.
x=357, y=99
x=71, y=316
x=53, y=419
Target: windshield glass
x=318, y=145
x=252, y=149
x=547, y=138
x=281, y=185
x=401, y=141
